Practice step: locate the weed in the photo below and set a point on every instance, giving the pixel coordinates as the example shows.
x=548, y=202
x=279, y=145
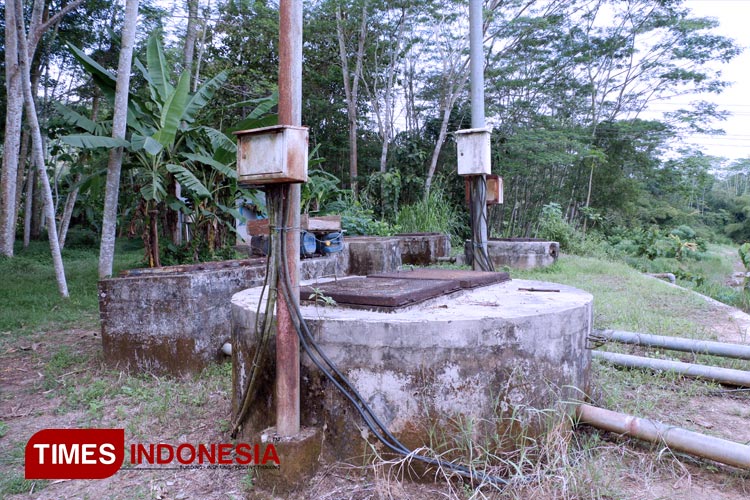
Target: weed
x=15, y=484
x=433, y=214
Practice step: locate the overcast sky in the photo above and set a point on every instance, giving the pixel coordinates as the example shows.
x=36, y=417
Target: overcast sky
x=734, y=18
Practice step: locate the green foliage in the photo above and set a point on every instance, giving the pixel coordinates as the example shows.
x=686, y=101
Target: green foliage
x=553, y=227
x=356, y=219
x=320, y=189
x=433, y=214
x=744, y=252
x=386, y=187
x=28, y=299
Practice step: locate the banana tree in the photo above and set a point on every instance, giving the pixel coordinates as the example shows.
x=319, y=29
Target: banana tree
x=168, y=148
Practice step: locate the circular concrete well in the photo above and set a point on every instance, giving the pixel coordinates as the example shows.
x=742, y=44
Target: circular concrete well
x=480, y=363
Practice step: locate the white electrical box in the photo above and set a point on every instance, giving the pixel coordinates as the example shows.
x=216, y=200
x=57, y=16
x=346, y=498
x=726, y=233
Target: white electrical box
x=474, y=151
x=272, y=154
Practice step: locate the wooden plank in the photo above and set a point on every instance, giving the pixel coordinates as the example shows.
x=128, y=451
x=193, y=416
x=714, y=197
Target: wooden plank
x=320, y=223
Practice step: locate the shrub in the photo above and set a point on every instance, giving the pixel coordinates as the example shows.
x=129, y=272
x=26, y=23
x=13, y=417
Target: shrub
x=553, y=227
x=433, y=214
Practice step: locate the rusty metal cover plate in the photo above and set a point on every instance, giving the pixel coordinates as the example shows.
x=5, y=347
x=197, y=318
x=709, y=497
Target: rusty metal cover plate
x=465, y=279
x=380, y=292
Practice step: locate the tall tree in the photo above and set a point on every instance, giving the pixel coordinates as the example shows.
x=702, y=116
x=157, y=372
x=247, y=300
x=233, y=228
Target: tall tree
x=26, y=46
x=119, y=126
x=351, y=80
x=41, y=21
x=12, y=144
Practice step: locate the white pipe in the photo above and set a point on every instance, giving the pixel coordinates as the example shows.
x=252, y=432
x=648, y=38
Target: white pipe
x=722, y=375
x=676, y=438
x=737, y=351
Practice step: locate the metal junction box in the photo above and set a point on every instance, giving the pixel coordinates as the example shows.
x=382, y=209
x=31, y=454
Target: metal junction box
x=272, y=154
x=473, y=151
x=494, y=190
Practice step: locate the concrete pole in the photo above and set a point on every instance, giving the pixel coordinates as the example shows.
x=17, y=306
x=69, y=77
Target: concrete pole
x=476, y=49
x=290, y=113
x=676, y=438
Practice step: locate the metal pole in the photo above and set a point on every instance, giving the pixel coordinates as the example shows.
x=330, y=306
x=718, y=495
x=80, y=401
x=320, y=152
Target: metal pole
x=476, y=47
x=290, y=113
x=478, y=182
x=715, y=373
x=737, y=351
x=676, y=438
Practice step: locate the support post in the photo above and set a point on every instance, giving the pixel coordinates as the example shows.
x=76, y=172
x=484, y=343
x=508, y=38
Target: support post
x=478, y=182
x=290, y=113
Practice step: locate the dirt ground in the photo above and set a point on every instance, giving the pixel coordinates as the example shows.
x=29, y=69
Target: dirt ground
x=32, y=397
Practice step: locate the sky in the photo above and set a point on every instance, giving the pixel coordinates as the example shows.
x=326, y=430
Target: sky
x=733, y=16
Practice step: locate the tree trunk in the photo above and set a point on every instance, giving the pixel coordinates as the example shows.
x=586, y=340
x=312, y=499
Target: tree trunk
x=191, y=35
x=351, y=88
x=12, y=135
x=37, y=151
x=28, y=207
x=450, y=101
x=114, y=166
x=70, y=204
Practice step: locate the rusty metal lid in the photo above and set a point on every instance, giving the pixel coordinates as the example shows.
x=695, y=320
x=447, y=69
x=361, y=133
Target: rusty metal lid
x=465, y=279
x=380, y=292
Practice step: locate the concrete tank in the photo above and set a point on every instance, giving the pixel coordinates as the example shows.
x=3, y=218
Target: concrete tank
x=480, y=363
x=518, y=253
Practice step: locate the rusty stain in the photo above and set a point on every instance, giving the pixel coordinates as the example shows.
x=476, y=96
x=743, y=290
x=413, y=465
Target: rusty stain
x=465, y=279
x=186, y=268
x=380, y=292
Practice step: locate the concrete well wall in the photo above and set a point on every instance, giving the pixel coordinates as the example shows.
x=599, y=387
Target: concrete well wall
x=423, y=249
x=483, y=361
x=175, y=319
x=518, y=253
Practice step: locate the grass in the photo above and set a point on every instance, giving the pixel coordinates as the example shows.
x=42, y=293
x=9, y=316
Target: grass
x=433, y=214
x=626, y=300
x=29, y=298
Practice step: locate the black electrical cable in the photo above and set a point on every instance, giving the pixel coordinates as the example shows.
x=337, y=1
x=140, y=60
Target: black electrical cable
x=477, y=201
x=371, y=420
x=262, y=328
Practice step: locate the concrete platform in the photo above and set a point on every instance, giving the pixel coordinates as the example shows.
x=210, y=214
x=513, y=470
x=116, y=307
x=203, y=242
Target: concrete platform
x=479, y=363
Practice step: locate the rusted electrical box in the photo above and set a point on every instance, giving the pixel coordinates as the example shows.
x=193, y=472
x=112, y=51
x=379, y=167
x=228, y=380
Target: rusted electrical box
x=272, y=154
x=494, y=189
x=474, y=151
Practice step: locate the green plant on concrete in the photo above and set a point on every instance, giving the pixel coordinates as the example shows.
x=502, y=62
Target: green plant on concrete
x=356, y=219
x=433, y=214
x=319, y=297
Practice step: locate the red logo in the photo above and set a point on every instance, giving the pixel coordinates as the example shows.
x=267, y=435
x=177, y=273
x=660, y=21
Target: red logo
x=74, y=453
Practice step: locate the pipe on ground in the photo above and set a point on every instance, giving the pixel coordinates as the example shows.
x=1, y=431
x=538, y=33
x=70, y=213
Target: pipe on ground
x=722, y=375
x=737, y=351
x=676, y=438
